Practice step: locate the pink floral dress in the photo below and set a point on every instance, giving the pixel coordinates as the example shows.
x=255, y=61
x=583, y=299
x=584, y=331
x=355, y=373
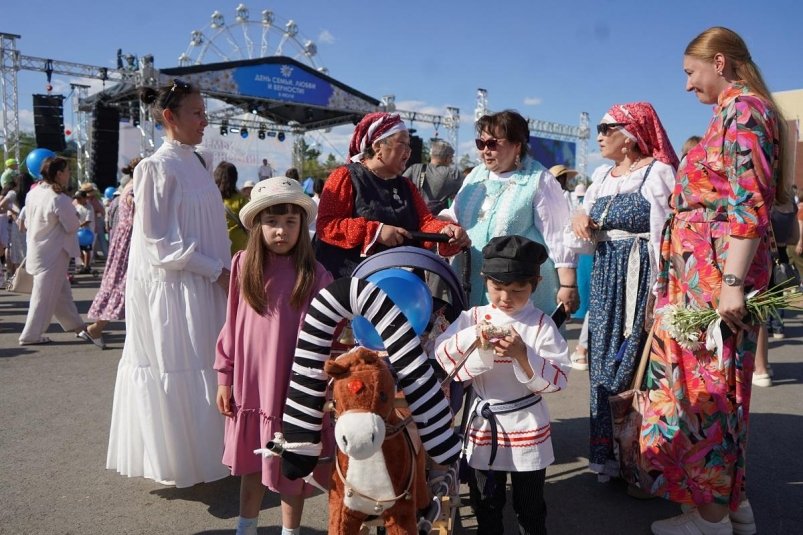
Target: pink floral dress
x=694, y=430
x=109, y=302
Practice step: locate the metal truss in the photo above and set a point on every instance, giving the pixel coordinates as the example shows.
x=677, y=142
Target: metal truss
x=11, y=62
x=547, y=129
x=81, y=130
x=236, y=117
x=451, y=121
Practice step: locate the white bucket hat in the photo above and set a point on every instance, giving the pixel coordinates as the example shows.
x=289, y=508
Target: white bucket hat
x=273, y=191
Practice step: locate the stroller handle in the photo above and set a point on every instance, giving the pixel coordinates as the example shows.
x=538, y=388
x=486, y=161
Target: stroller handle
x=430, y=236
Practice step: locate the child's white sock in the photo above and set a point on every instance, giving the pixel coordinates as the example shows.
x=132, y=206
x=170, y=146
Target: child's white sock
x=247, y=526
x=291, y=531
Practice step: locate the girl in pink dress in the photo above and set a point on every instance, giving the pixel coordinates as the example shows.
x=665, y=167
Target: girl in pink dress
x=272, y=283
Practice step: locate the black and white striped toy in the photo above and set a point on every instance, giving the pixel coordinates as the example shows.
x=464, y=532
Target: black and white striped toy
x=344, y=299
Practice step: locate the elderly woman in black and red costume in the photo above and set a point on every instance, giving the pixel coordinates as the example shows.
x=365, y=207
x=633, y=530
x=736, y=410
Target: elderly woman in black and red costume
x=367, y=206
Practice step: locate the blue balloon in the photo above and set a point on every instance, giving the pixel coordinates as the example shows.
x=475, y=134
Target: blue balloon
x=35, y=159
x=85, y=237
x=109, y=192
x=410, y=294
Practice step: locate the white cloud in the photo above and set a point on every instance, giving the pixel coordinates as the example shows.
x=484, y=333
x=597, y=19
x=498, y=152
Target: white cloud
x=326, y=37
x=26, y=120
x=420, y=106
x=532, y=101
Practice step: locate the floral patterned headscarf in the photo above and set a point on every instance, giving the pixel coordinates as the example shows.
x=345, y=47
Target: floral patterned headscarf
x=371, y=128
x=641, y=124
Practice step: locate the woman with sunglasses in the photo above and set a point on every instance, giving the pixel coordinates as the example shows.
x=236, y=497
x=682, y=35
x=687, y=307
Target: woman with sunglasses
x=624, y=211
x=716, y=249
x=165, y=425
x=367, y=206
x=511, y=193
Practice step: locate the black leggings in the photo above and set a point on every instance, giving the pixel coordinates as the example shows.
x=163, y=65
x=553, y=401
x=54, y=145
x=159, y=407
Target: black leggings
x=528, y=501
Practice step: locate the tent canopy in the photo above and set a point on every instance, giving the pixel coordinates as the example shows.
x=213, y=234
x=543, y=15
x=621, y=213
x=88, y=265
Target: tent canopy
x=278, y=89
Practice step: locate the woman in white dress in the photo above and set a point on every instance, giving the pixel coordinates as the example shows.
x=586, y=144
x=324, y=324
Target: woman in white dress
x=165, y=425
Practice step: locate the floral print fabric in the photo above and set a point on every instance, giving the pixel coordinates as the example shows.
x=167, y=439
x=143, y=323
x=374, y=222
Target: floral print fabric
x=694, y=431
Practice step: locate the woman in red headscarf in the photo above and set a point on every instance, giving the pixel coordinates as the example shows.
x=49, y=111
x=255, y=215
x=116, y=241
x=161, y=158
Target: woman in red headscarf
x=367, y=206
x=624, y=209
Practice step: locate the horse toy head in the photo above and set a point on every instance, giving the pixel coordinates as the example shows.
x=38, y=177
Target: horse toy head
x=380, y=464
x=364, y=391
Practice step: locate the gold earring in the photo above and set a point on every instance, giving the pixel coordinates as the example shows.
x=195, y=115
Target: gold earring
x=518, y=161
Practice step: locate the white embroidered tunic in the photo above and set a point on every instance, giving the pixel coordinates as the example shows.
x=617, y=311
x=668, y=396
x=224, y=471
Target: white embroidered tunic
x=523, y=438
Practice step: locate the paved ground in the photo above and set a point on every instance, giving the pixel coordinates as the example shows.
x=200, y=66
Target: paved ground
x=56, y=405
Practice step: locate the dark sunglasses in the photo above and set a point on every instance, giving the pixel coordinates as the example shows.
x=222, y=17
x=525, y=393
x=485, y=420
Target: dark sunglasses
x=605, y=128
x=491, y=143
x=179, y=85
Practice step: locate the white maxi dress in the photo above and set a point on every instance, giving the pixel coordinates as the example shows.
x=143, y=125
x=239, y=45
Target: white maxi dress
x=165, y=425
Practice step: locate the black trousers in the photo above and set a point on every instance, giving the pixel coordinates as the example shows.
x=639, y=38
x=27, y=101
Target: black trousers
x=488, y=501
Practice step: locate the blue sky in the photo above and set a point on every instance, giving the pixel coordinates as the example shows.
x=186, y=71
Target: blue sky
x=550, y=60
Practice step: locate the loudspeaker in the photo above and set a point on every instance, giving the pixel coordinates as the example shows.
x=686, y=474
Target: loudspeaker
x=48, y=122
x=105, y=146
x=417, y=150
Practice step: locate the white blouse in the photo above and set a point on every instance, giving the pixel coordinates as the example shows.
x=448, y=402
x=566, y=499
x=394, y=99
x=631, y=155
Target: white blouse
x=548, y=199
x=52, y=224
x=182, y=224
x=657, y=190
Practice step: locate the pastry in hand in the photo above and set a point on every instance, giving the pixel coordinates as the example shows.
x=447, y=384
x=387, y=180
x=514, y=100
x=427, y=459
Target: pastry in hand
x=489, y=333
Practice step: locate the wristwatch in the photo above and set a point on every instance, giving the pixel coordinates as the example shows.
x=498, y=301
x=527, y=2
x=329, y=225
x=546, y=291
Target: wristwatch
x=732, y=280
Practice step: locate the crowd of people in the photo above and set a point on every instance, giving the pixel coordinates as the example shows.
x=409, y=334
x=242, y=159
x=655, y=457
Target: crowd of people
x=214, y=282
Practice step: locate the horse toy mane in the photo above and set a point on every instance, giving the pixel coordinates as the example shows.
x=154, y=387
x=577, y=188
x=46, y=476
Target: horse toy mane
x=380, y=464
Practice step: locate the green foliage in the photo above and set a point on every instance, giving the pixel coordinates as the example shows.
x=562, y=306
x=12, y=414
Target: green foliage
x=27, y=143
x=310, y=161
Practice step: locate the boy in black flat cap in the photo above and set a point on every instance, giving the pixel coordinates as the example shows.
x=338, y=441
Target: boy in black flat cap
x=521, y=355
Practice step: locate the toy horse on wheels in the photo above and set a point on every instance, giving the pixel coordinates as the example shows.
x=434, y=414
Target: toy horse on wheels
x=396, y=492
x=380, y=465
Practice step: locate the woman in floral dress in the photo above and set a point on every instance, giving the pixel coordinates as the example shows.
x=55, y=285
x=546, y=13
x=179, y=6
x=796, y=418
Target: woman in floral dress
x=714, y=251
x=109, y=302
x=624, y=211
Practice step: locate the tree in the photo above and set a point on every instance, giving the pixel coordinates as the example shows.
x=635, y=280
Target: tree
x=466, y=161
x=309, y=156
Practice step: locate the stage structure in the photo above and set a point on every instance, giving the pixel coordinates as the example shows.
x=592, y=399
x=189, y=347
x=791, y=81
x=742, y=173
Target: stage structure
x=273, y=95
x=286, y=92
x=11, y=62
x=579, y=135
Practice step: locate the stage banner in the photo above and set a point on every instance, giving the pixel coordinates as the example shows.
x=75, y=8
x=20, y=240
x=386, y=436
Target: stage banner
x=283, y=81
x=551, y=152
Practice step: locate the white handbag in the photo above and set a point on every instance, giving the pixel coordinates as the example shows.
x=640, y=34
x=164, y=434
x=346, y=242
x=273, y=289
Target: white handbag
x=22, y=281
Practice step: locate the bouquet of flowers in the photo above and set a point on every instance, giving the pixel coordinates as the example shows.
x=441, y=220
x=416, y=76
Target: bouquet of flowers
x=691, y=327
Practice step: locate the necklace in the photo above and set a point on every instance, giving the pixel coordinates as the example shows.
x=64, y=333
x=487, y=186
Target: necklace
x=490, y=201
x=395, y=190
x=634, y=165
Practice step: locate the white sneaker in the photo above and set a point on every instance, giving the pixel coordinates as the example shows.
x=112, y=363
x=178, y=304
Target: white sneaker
x=691, y=523
x=762, y=379
x=742, y=519
x=579, y=362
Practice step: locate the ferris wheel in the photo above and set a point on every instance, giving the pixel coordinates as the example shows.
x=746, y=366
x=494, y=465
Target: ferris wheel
x=247, y=38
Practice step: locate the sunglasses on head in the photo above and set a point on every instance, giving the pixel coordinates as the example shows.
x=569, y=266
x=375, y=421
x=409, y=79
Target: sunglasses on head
x=605, y=128
x=178, y=85
x=491, y=143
